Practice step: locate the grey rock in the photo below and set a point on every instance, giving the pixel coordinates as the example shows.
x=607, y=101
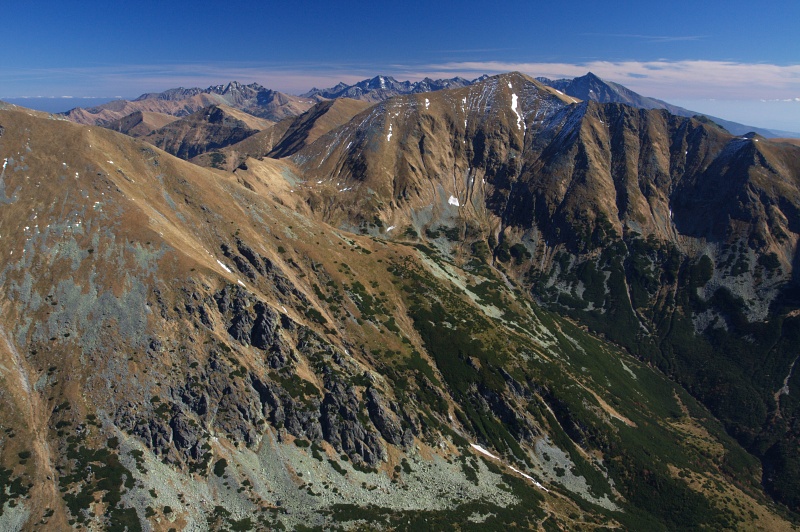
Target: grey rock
x=383, y=418
x=264, y=334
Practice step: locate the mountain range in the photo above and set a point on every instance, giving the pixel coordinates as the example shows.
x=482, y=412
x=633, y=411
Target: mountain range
x=590, y=87
x=258, y=101
x=382, y=88
x=497, y=305
x=252, y=99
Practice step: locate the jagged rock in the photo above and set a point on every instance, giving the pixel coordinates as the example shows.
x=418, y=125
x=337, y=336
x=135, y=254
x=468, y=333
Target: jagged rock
x=241, y=264
x=252, y=257
x=156, y=434
x=241, y=327
x=183, y=434
x=261, y=331
x=383, y=418
x=264, y=334
x=160, y=303
x=412, y=419
x=195, y=400
x=155, y=346
x=205, y=317
x=237, y=414
x=342, y=428
x=282, y=410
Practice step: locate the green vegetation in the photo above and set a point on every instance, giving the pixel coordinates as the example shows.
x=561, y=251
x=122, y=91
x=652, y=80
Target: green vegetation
x=217, y=159
x=96, y=471
x=468, y=352
x=733, y=366
x=220, y=466
x=11, y=488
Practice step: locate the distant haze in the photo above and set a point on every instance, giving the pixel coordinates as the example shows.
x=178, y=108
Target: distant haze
x=58, y=105
x=770, y=114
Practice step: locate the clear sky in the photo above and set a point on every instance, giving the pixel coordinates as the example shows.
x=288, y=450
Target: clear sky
x=735, y=52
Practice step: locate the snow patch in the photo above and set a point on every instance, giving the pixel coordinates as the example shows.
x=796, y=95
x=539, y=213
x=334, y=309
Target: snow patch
x=483, y=451
x=240, y=282
x=520, y=123
x=427, y=103
x=223, y=266
x=628, y=370
x=535, y=483
x=389, y=136
x=389, y=228
x=454, y=201
x=512, y=468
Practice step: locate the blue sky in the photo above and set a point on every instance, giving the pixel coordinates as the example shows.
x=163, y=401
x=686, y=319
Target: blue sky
x=735, y=52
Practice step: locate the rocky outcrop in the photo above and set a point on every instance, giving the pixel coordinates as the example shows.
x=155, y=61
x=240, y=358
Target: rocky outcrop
x=385, y=420
x=252, y=322
x=341, y=426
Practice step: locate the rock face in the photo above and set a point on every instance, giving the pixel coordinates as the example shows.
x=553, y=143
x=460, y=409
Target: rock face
x=199, y=347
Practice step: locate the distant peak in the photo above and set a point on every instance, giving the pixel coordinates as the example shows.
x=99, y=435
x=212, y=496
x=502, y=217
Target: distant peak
x=514, y=75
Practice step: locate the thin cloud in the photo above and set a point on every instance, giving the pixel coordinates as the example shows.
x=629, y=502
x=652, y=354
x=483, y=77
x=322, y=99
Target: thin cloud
x=660, y=78
x=648, y=38
x=137, y=79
